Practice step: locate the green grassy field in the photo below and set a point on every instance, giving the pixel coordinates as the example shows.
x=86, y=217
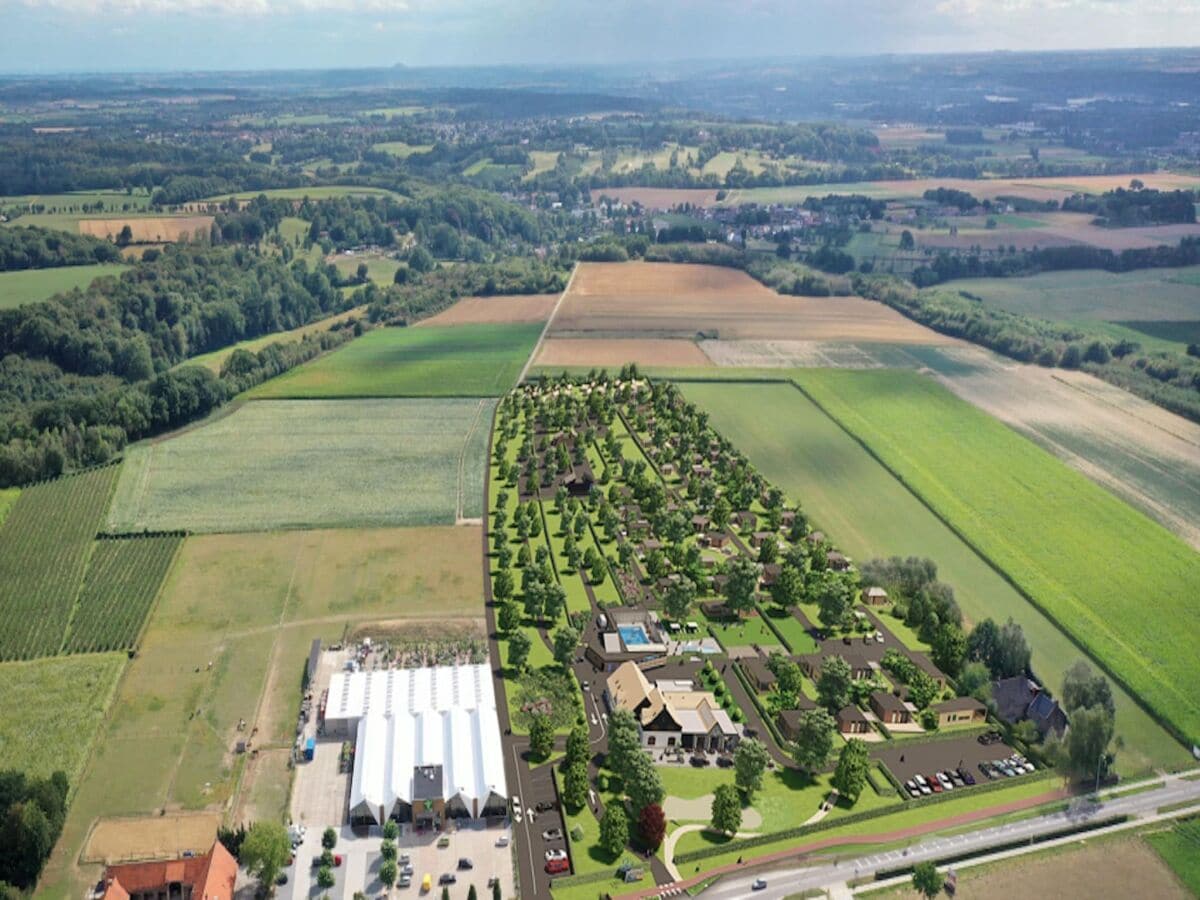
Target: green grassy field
x=44, y=547
x=1043, y=524
x=867, y=512
x=122, y=580
x=8, y=497
x=1149, y=294
x=445, y=361
x=402, y=150
x=112, y=201
x=32, y=285
x=216, y=358
x=306, y=464
x=50, y=709
x=380, y=269
x=1180, y=849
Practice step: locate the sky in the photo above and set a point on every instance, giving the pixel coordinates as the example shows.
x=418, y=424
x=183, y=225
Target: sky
x=42, y=36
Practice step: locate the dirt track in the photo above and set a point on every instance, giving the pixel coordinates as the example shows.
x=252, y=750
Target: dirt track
x=667, y=300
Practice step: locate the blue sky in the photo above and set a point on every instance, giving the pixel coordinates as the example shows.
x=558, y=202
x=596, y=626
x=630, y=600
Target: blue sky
x=124, y=35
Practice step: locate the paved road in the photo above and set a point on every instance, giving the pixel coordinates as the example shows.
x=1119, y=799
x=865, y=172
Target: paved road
x=782, y=882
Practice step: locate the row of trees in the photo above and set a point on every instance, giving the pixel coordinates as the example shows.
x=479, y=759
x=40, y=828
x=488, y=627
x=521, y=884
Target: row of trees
x=22, y=247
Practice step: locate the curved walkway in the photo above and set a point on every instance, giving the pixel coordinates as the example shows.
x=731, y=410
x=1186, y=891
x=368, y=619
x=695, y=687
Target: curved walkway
x=674, y=836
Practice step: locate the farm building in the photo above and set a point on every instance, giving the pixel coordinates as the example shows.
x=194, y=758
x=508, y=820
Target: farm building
x=876, y=596
x=208, y=877
x=427, y=743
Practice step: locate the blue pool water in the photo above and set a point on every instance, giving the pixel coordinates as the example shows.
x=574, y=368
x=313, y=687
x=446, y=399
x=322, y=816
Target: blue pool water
x=633, y=635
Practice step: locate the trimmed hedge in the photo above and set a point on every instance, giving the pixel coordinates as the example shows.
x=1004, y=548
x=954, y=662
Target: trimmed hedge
x=826, y=824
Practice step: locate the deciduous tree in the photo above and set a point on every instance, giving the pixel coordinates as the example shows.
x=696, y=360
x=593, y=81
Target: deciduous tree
x=726, y=809
x=814, y=739
x=851, y=772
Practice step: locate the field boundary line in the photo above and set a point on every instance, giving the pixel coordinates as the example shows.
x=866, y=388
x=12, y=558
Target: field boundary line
x=537, y=348
x=462, y=463
x=1169, y=727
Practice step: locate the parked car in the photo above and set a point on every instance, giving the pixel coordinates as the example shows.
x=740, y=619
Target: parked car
x=502, y=841
x=552, y=834
x=760, y=884
x=935, y=785
x=281, y=878
x=545, y=805
x=945, y=780
x=557, y=866
x=464, y=863
x=986, y=769
x=556, y=854
x=957, y=778
x=920, y=780
x=725, y=762
x=699, y=761
x=404, y=881
x=447, y=878
x=966, y=776
x=516, y=809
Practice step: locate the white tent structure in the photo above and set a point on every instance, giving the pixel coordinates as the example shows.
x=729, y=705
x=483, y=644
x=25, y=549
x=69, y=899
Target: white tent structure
x=427, y=743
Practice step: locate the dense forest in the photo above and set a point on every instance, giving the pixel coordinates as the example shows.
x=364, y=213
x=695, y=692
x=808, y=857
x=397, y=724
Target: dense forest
x=1125, y=209
x=38, y=248
x=32, y=811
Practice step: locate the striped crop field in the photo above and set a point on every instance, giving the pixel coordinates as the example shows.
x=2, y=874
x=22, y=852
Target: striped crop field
x=44, y=547
x=123, y=579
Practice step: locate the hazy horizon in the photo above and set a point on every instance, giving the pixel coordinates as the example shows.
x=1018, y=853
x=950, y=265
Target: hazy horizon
x=44, y=37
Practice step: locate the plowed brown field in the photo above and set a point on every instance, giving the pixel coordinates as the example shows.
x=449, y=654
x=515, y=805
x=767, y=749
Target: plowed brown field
x=667, y=300
x=615, y=353
x=495, y=310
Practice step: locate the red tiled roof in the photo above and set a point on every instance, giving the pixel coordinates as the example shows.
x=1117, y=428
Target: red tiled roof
x=211, y=876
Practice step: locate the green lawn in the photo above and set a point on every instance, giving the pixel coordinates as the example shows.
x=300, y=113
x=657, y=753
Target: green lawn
x=1180, y=849
x=743, y=633
x=312, y=192
x=380, y=269
x=867, y=512
x=32, y=285
x=787, y=800
x=797, y=639
x=1043, y=524
x=447, y=361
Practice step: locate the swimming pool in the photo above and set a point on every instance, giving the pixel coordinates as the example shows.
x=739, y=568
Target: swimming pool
x=633, y=635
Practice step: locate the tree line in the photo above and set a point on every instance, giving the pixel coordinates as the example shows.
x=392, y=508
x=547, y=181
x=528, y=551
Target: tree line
x=22, y=247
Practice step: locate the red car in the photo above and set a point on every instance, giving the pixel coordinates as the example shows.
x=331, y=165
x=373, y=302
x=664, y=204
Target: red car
x=934, y=783
x=557, y=866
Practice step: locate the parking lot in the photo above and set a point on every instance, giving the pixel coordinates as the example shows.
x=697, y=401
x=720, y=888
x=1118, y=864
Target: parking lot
x=361, y=860
x=536, y=787
x=906, y=760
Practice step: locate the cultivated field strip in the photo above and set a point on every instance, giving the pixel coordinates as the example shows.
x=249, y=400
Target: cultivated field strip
x=1118, y=583
x=309, y=464
x=44, y=548
x=123, y=578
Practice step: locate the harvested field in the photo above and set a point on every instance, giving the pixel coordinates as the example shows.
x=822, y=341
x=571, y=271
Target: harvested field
x=306, y=464
x=1060, y=231
x=150, y=229
x=673, y=300
x=809, y=354
x=1122, y=867
x=499, y=310
x=1139, y=451
x=617, y=352
x=150, y=837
